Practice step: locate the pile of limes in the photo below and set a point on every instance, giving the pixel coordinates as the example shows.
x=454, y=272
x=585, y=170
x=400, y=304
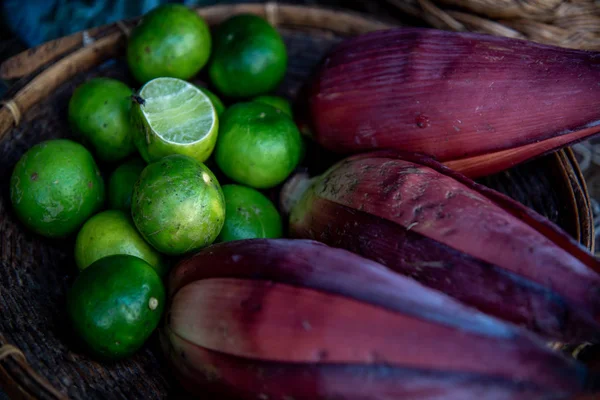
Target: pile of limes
x=161, y=200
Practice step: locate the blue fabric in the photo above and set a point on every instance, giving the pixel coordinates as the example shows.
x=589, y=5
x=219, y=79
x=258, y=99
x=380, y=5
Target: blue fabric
x=37, y=21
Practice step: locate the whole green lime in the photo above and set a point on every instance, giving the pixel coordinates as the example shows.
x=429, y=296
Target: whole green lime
x=55, y=187
x=99, y=112
x=257, y=145
x=248, y=215
x=178, y=205
x=120, y=184
x=115, y=304
x=279, y=103
x=113, y=232
x=215, y=100
x=249, y=57
x=171, y=41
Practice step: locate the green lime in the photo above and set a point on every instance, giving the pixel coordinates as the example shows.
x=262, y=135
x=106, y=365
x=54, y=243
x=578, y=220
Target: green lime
x=248, y=215
x=249, y=57
x=171, y=40
x=178, y=205
x=55, y=187
x=113, y=232
x=279, y=103
x=257, y=146
x=99, y=111
x=216, y=102
x=120, y=184
x=172, y=116
x=115, y=304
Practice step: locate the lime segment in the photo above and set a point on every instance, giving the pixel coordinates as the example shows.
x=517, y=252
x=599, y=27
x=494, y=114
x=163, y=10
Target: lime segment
x=172, y=116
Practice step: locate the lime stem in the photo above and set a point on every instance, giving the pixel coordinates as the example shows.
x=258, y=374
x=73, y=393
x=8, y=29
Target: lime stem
x=138, y=99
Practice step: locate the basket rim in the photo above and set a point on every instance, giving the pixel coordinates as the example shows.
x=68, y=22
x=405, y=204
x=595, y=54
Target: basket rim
x=29, y=61
x=84, y=50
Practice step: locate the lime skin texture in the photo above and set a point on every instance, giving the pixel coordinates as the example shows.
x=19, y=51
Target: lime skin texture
x=55, y=187
x=114, y=306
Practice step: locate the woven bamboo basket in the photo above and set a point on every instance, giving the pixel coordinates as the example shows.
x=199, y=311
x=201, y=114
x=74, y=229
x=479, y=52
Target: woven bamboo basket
x=566, y=23
x=37, y=359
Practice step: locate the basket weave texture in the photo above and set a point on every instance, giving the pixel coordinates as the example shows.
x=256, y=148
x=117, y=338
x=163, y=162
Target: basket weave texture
x=573, y=24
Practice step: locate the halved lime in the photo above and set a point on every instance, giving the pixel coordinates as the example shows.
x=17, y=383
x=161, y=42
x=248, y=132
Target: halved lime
x=172, y=116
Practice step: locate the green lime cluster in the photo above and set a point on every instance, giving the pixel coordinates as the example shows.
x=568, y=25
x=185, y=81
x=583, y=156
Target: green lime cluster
x=132, y=186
